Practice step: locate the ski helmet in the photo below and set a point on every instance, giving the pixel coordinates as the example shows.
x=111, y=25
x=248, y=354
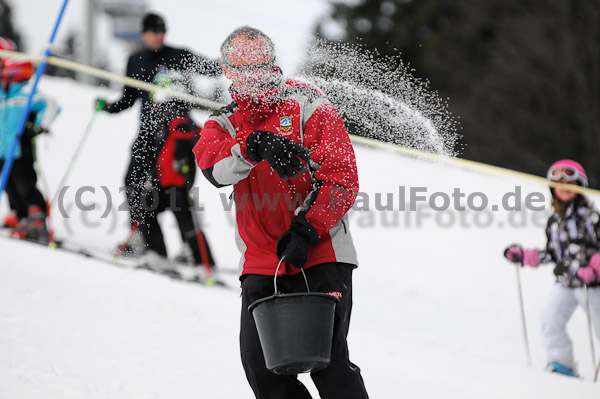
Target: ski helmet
x=569, y=170
x=15, y=71
x=7, y=44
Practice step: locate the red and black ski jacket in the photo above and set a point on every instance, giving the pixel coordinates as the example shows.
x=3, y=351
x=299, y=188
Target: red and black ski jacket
x=265, y=203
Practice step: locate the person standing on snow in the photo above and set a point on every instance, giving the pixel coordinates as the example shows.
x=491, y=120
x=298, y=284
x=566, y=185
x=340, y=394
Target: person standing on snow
x=573, y=234
x=152, y=186
x=258, y=143
x=29, y=207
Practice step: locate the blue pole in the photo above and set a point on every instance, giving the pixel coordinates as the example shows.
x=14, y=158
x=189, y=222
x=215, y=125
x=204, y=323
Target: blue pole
x=8, y=163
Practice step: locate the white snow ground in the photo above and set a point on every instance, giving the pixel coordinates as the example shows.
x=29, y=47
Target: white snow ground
x=435, y=314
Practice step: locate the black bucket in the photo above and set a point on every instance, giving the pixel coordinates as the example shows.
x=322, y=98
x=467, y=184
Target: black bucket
x=295, y=330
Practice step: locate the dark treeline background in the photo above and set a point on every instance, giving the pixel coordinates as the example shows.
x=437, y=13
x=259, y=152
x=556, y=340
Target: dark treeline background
x=523, y=75
x=6, y=24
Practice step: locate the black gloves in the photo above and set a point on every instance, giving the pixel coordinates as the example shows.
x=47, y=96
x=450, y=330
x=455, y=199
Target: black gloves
x=294, y=243
x=281, y=153
x=34, y=130
x=102, y=105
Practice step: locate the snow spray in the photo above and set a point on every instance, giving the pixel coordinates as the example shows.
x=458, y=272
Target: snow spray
x=378, y=98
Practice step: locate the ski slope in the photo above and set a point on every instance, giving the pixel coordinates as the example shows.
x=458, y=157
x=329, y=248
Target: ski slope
x=435, y=304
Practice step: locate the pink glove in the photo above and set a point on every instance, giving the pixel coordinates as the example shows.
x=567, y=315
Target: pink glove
x=529, y=257
x=589, y=274
x=514, y=254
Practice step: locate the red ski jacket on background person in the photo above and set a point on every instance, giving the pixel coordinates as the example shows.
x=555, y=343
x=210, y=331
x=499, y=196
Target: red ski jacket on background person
x=265, y=203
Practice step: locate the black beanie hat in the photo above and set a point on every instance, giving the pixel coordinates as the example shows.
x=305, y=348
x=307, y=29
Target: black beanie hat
x=153, y=22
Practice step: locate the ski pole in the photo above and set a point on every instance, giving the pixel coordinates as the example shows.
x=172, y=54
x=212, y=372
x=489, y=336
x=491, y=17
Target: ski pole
x=589, y=319
x=201, y=245
x=522, y=307
x=132, y=231
x=597, y=372
x=86, y=133
x=52, y=243
x=6, y=169
x=39, y=170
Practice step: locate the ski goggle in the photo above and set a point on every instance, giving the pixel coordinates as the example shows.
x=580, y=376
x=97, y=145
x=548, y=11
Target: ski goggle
x=156, y=31
x=251, y=67
x=567, y=173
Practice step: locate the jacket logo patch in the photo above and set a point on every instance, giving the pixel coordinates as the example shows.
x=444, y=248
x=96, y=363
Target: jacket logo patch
x=285, y=124
x=336, y=294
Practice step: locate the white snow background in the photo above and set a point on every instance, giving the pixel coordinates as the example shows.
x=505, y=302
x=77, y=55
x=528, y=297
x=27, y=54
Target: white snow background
x=435, y=304
x=199, y=26
x=435, y=314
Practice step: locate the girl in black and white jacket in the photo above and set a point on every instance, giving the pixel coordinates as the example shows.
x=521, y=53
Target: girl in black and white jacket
x=573, y=246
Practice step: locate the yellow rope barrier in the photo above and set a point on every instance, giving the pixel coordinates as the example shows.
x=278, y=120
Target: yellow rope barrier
x=471, y=165
x=464, y=163
x=99, y=73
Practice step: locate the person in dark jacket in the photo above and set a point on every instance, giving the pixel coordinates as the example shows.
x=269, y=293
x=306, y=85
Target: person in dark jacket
x=147, y=191
x=284, y=148
x=573, y=245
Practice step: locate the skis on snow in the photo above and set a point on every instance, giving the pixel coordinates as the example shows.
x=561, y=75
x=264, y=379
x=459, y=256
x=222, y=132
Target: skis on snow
x=182, y=271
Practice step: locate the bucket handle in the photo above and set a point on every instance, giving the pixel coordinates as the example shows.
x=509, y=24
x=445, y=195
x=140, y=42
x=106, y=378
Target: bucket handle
x=277, y=272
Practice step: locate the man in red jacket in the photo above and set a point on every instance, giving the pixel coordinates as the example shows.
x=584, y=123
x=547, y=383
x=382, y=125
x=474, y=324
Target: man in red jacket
x=286, y=150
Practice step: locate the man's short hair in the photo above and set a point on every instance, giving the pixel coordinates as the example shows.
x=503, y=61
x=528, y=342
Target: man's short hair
x=250, y=33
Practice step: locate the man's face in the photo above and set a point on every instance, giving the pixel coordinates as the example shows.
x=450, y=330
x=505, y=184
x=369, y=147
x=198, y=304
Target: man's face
x=249, y=65
x=153, y=40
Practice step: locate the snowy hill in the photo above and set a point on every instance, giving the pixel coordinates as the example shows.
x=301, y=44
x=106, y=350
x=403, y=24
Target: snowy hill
x=435, y=307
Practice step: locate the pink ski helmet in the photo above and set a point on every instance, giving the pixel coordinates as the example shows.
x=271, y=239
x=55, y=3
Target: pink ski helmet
x=569, y=170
